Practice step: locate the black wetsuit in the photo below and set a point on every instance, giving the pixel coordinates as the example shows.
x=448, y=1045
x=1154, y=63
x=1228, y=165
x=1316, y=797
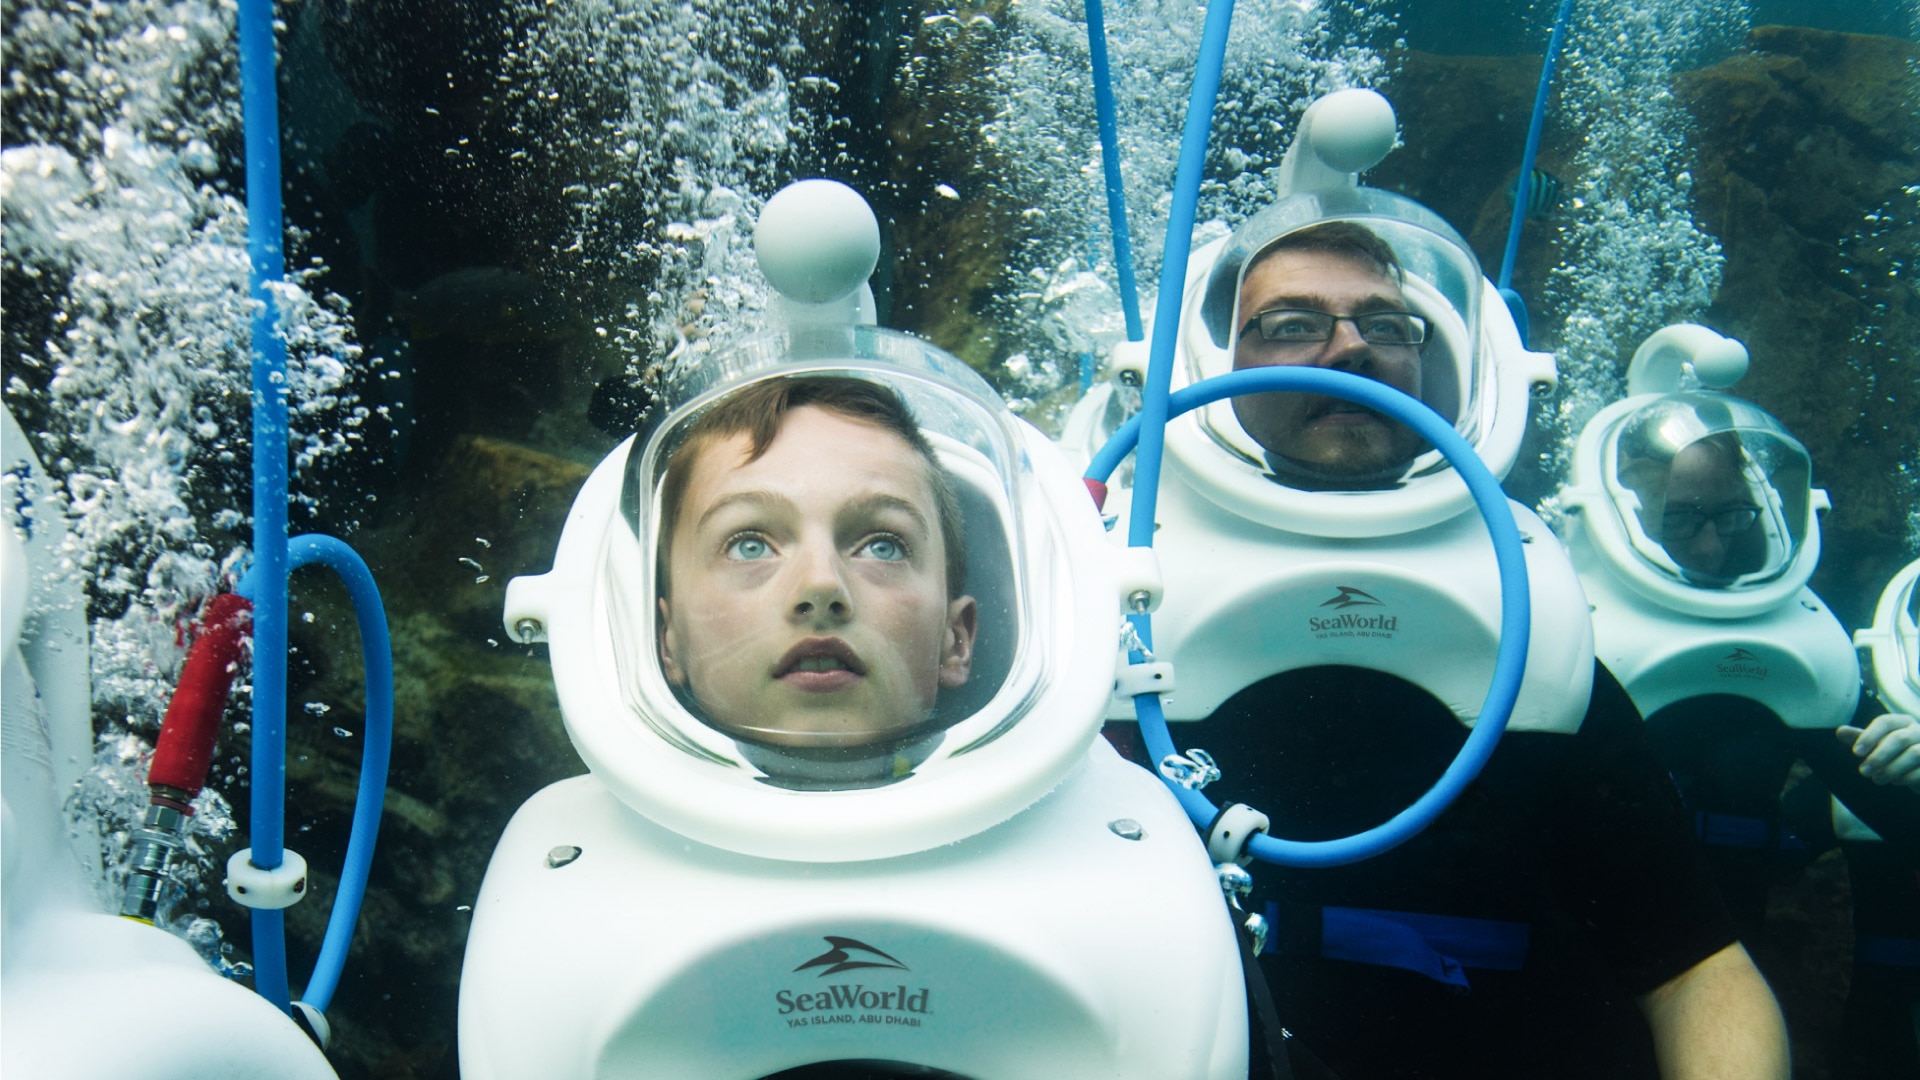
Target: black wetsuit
x=1562, y=884
x=1732, y=758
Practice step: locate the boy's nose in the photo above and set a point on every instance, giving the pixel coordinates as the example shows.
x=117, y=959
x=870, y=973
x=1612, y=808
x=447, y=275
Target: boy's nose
x=821, y=591
x=822, y=607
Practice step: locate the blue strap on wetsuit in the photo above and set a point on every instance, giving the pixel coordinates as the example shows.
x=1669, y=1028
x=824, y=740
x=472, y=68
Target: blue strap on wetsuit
x=1737, y=831
x=1440, y=947
x=1882, y=951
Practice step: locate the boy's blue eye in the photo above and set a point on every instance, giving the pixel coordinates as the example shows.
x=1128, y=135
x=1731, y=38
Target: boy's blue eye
x=886, y=548
x=748, y=548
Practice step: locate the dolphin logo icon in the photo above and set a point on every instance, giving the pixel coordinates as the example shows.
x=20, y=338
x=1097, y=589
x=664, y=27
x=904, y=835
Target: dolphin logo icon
x=841, y=957
x=1351, y=597
x=1742, y=656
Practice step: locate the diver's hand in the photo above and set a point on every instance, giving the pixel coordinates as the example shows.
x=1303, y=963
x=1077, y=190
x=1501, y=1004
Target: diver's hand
x=1889, y=747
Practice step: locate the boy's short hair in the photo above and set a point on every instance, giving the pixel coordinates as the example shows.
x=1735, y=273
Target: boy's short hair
x=759, y=410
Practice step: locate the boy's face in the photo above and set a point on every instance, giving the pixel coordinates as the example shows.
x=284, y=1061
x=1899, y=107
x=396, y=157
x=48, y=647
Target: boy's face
x=807, y=589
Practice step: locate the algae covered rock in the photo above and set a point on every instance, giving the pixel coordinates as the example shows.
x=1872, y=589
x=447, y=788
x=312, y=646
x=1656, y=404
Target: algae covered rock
x=1808, y=171
x=477, y=730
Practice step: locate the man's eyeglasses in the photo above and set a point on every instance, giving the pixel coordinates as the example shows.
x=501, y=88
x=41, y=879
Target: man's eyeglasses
x=1293, y=326
x=1686, y=524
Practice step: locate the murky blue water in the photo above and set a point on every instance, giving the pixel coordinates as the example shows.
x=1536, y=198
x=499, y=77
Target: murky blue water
x=502, y=215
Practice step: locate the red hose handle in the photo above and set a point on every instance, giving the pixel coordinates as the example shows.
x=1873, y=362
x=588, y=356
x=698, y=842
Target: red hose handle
x=185, y=748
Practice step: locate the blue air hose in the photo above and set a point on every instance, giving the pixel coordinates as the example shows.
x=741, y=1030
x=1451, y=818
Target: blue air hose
x=376, y=653
x=1523, y=189
x=1173, y=266
x=265, y=583
x=1515, y=608
x=1149, y=426
x=267, y=266
x=1110, y=161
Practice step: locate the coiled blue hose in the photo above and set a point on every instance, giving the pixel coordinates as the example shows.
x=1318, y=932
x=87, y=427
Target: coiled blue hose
x=376, y=653
x=1515, y=607
x=1146, y=432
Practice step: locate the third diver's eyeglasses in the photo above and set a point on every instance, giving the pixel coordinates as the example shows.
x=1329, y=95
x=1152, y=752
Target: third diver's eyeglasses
x=1293, y=326
x=1686, y=524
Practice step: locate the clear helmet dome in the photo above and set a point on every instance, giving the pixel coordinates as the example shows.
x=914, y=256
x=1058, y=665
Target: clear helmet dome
x=1368, y=282
x=827, y=582
x=1408, y=292
x=1710, y=493
x=1893, y=642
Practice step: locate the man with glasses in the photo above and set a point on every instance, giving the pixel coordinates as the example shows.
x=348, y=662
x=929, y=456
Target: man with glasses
x=1330, y=296
x=1764, y=783
x=1701, y=509
x=1557, y=920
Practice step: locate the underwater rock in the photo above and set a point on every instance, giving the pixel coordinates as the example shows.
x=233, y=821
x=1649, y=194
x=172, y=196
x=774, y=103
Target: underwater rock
x=956, y=232
x=1463, y=120
x=1808, y=171
x=486, y=511
x=477, y=730
x=1806, y=951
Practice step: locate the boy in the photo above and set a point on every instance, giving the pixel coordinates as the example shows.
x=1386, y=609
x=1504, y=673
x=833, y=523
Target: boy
x=811, y=568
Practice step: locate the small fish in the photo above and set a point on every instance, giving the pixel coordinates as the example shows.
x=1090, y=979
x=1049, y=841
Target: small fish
x=1543, y=193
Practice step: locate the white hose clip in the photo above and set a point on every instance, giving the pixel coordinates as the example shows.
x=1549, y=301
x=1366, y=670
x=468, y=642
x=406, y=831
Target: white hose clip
x=1233, y=829
x=269, y=890
x=1152, y=677
x=1141, y=586
x=314, y=1023
x=1128, y=365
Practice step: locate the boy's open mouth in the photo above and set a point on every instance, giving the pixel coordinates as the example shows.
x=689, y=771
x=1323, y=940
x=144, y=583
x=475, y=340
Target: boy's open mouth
x=820, y=665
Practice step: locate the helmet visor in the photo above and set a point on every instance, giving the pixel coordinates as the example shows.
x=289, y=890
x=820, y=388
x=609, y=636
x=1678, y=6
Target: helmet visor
x=1711, y=490
x=833, y=578
x=1358, y=280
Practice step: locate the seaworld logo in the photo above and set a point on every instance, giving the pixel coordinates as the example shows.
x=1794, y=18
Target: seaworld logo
x=856, y=996
x=1348, y=596
x=1741, y=664
x=839, y=959
x=1349, y=624
x=854, y=1003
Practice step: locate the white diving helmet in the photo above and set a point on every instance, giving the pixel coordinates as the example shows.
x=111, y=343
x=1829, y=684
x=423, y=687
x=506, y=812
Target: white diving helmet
x=1698, y=501
x=1892, y=643
x=1692, y=520
x=684, y=706
x=1262, y=561
x=810, y=842
x=1472, y=369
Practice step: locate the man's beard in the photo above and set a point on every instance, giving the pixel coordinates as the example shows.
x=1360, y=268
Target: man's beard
x=1357, y=462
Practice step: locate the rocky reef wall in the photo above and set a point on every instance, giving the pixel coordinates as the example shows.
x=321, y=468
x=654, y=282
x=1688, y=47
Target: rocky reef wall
x=1806, y=170
x=1801, y=143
